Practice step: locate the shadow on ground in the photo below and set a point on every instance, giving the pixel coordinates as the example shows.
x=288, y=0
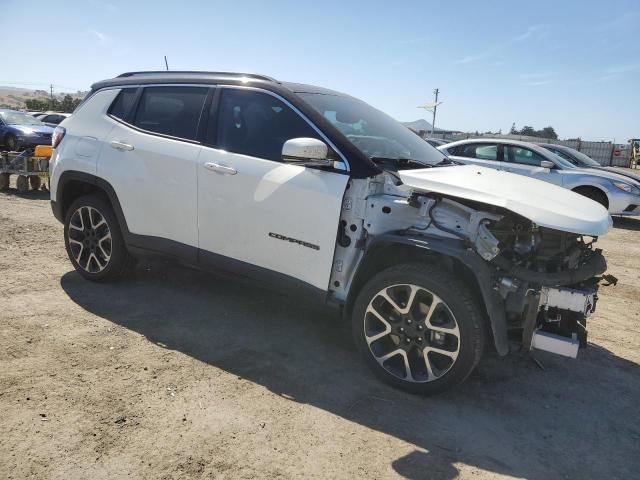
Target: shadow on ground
x=30, y=195
x=510, y=417
x=627, y=223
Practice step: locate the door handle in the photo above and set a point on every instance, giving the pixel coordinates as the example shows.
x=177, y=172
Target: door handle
x=216, y=167
x=121, y=146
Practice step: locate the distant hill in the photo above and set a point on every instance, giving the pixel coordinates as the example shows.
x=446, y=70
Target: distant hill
x=15, y=97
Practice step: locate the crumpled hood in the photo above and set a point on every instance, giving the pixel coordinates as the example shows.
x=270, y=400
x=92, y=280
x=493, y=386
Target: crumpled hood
x=543, y=203
x=30, y=129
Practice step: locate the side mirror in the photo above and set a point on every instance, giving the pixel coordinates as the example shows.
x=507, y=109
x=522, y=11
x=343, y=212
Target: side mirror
x=305, y=151
x=547, y=164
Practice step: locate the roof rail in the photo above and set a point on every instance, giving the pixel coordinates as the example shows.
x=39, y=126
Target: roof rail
x=196, y=72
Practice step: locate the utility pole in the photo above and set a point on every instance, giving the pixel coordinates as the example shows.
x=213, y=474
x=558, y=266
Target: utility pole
x=435, y=107
x=432, y=107
x=166, y=64
x=51, y=96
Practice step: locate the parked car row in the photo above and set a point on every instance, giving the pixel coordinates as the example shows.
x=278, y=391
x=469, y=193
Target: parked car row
x=563, y=166
x=309, y=189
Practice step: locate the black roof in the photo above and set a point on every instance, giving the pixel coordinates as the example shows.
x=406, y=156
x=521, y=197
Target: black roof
x=361, y=165
x=194, y=76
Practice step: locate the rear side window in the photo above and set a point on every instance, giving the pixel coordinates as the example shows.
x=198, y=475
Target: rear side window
x=121, y=107
x=173, y=111
x=257, y=124
x=483, y=151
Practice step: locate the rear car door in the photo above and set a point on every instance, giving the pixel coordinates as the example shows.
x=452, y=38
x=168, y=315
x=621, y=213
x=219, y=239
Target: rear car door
x=150, y=158
x=254, y=210
x=524, y=161
x=485, y=154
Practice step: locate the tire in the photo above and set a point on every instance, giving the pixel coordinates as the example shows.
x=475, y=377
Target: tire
x=22, y=183
x=93, y=240
x=11, y=142
x=4, y=181
x=35, y=182
x=420, y=329
x=595, y=195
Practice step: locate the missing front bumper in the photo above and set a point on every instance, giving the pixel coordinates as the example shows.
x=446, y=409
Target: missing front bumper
x=562, y=319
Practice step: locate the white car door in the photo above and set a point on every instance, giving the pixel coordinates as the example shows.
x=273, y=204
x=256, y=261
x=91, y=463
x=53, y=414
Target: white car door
x=483, y=154
x=150, y=158
x=253, y=208
x=524, y=161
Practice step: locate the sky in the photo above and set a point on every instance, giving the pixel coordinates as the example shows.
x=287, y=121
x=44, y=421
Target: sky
x=574, y=65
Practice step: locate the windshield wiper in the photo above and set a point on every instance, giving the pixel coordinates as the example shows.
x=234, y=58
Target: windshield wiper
x=447, y=161
x=400, y=162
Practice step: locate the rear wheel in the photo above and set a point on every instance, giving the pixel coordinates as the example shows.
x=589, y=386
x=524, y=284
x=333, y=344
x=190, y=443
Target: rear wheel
x=4, y=181
x=94, y=241
x=418, y=328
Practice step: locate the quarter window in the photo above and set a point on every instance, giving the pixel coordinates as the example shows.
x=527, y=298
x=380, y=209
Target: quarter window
x=257, y=124
x=173, y=111
x=121, y=107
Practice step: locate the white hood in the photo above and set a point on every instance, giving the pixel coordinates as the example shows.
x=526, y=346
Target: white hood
x=545, y=204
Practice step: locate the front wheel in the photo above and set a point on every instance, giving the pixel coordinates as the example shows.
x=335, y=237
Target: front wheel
x=11, y=142
x=94, y=241
x=418, y=328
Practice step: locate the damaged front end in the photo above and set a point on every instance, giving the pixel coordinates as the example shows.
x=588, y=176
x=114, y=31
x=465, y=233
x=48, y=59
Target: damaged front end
x=548, y=280
x=539, y=284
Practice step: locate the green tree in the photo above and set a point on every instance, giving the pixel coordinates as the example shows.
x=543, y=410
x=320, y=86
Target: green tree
x=528, y=131
x=548, y=132
x=514, y=130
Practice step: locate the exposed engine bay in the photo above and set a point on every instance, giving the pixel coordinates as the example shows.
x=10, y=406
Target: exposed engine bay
x=543, y=282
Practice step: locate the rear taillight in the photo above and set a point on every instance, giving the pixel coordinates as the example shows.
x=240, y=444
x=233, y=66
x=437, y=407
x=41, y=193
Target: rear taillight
x=58, y=135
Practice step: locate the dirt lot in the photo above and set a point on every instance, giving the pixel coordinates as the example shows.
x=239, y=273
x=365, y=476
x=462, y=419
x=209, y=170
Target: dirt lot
x=179, y=374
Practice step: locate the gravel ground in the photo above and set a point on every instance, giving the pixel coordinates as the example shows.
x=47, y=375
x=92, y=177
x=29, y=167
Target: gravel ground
x=174, y=373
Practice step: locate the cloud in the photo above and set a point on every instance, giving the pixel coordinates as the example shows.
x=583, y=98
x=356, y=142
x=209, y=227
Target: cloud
x=616, y=71
x=627, y=19
x=536, y=76
x=103, y=39
x=532, y=32
x=537, y=83
x=620, y=69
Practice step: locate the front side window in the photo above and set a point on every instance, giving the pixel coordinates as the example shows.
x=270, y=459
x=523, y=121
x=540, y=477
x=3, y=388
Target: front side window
x=173, y=111
x=374, y=133
x=524, y=156
x=257, y=124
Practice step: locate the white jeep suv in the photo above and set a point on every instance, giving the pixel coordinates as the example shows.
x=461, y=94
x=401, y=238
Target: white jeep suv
x=305, y=187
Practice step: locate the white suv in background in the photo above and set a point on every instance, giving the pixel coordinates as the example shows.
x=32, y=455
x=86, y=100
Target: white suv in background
x=307, y=188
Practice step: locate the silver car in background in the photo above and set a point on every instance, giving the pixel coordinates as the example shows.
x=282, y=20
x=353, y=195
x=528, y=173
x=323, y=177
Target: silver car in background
x=619, y=194
x=581, y=160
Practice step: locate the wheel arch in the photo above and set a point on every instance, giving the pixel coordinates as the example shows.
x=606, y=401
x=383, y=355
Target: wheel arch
x=391, y=249
x=73, y=184
x=591, y=187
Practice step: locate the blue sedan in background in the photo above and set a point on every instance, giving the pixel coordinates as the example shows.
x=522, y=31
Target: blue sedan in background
x=19, y=130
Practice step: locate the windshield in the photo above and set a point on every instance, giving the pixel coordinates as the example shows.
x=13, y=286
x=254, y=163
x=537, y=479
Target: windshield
x=583, y=160
x=374, y=133
x=19, y=118
x=574, y=157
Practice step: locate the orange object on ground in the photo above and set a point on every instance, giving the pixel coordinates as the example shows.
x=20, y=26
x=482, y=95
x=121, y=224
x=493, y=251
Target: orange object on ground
x=42, y=151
